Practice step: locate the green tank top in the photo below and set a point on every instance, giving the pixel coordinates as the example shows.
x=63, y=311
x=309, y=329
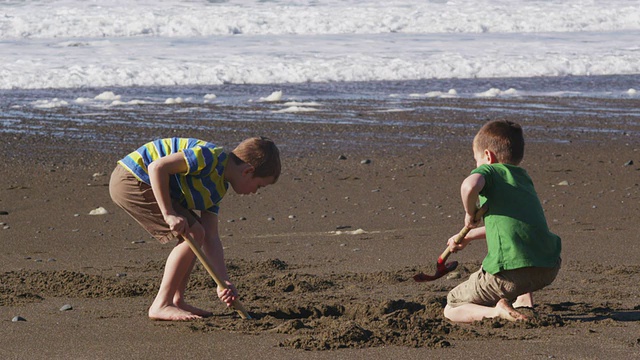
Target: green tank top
x=517, y=232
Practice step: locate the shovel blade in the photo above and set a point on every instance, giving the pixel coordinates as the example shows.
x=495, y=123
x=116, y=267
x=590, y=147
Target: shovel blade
x=441, y=270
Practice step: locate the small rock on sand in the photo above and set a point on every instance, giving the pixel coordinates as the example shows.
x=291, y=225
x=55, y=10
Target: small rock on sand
x=453, y=275
x=98, y=211
x=66, y=307
x=18, y=318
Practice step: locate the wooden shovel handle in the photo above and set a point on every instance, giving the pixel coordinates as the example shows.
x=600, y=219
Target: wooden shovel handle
x=237, y=305
x=465, y=230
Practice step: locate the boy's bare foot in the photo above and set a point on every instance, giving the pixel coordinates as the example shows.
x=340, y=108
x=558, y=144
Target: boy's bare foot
x=523, y=301
x=507, y=312
x=171, y=313
x=194, y=310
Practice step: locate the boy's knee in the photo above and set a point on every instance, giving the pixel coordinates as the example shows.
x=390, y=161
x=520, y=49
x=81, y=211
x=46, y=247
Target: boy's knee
x=447, y=311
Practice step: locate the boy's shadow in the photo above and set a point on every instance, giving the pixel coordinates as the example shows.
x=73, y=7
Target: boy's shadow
x=584, y=312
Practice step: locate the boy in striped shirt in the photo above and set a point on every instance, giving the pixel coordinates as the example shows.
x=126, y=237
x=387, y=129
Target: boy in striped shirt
x=164, y=181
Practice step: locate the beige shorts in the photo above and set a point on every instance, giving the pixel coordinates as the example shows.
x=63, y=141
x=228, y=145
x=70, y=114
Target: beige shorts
x=137, y=199
x=485, y=289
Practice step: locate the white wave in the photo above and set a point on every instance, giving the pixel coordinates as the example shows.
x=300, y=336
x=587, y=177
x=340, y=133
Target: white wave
x=161, y=62
x=130, y=102
x=494, y=92
x=106, y=99
x=50, y=104
x=296, y=109
x=76, y=44
x=108, y=96
x=275, y=96
x=436, y=94
x=171, y=101
x=297, y=103
x=82, y=19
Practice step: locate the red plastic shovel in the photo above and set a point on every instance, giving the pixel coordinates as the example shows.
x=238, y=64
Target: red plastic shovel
x=443, y=268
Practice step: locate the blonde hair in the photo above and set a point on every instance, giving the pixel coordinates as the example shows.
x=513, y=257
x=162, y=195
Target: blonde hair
x=261, y=153
x=502, y=137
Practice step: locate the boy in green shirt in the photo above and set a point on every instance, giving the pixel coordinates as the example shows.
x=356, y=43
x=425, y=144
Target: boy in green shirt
x=523, y=255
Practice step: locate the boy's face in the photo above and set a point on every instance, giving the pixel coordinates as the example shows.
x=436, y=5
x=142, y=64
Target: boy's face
x=249, y=184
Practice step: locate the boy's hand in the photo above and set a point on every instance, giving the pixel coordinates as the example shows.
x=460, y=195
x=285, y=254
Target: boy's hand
x=453, y=247
x=228, y=295
x=177, y=223
x=471, y=222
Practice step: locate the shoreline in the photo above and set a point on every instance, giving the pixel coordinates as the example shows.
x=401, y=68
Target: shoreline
x=349, y=125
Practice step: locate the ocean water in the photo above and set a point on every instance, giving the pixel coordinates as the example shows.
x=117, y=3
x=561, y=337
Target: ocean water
x=77, y=43
x=100, y=55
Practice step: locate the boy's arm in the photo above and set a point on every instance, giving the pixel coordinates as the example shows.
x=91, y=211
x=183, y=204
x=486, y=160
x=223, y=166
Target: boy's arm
x=214, y=252
x=212, y=246
x=159, y=172
x=469, y=191
x=478, y=233
x=473, y=234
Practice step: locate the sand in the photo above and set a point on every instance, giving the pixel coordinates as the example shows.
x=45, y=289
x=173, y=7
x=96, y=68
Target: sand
x=324, y=259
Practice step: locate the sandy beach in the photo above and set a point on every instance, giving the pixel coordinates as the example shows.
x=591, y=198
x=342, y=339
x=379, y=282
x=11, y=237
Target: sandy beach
x=324, y=259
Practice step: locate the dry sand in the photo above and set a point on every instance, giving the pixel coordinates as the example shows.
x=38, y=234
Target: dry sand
x=323, y=260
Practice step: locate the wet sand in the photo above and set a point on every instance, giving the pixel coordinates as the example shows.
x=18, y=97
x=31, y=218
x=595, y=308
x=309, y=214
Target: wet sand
x=324, y=259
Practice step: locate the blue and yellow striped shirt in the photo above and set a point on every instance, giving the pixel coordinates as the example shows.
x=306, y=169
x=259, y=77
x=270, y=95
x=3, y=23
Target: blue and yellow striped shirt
x=202, y=186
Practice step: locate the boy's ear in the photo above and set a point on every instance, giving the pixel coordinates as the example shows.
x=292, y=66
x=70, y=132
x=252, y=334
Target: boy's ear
x=490, y=156
x=248, y=169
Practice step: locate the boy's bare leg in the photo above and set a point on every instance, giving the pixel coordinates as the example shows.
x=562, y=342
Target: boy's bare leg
x=178, y=297
x=472, y=312
x=178, y=264
x=524, y=300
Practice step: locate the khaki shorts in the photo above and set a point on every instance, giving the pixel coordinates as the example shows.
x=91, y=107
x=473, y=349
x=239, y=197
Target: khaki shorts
x=137, y=199
x=485, y=289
